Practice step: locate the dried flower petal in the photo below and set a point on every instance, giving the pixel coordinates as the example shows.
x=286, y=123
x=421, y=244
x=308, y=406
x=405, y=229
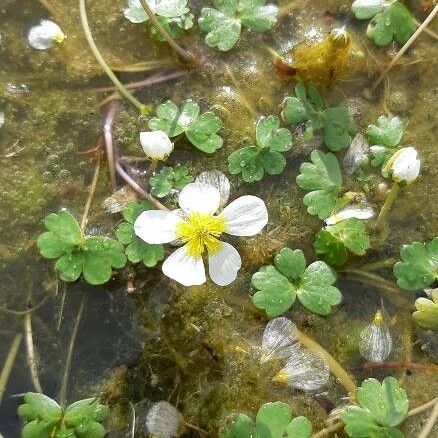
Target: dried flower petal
x=375, y=342
x=164, y=420
x=218, y=180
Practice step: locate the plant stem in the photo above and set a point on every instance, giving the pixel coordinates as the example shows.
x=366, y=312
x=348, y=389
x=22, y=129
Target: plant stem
x=392, y=195
x=430, y=32
x=430, y=422
x=9, y=363
x=108, y=140
x=31, y=359
x=63, y=390
x=335, y=367
x=422, y=408
x=186, y=56
x=150, y=170
x=105, y=67
x=28, y=311
x=328, y=430
x=374, y=266
x=90, y=194
x=408, y=44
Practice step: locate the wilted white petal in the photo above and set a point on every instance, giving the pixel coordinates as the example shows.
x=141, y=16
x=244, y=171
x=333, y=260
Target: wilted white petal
x=164, y=421
x=45, y=34
x=183, y=268
x=357, y=154
x=117, y=201
x=216, y=179
x=224, y=264
x=350, y=212
x=245, y=216
x=304, y=370
x=2, y=119
x=375, y=343
x=279, y=340
x=156, y=144
x=405, y=165
x=199, y=198
x=157, y=226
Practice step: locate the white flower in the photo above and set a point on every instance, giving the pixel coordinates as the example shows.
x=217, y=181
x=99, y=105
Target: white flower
x=199, y=229
x=45, y=34
x=164, y=421
x=350, y=212
x=405, y=166
x=156, y=144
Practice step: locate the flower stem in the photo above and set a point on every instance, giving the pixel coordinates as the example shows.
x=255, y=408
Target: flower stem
x=392, y=195
x=9, y=363
x=335, y=367
x=105, y=67
x=150, y=170
x=430, y=422
x=90, y=195
x=186, y=56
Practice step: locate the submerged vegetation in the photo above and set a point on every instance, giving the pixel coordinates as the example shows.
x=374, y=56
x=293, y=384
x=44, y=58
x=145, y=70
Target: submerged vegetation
x=256, y=154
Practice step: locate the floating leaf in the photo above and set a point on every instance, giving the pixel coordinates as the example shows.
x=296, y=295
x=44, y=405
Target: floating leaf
x=224, y=24
x=323, y=179
x=381, y=408
x=44, y=418
x=200, y=130
x=388, y=131
x=307, y=106
x=426, y=314
x=273, y=420
x=278, y=286
x=333, y=241
x=390, y=20
x=169, y=179
x=137, y=250
x=253, y=161
x=418, y=267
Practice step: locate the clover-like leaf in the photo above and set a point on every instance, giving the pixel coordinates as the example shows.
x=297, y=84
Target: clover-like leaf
x=253, y=161
x=323, y=179
x=308, y=106
x=163, y=8
x=426, y=314
x=137, y=250
x=85, y=417
x=174, y=26
x=224, y=24
x=388, y=131
x=278, y=286
x=390, y=20
x=200, y=130
x=273, y=420
x=333, y=241
x=418, y=267
x=169, y=179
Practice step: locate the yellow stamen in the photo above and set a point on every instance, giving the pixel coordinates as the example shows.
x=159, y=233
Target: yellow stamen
x=281, y=377
x=201, y=231
x=59, y=38
x=378, y=318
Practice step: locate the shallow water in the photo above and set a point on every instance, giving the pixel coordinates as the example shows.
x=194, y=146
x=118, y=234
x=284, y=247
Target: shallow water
x=166, y=342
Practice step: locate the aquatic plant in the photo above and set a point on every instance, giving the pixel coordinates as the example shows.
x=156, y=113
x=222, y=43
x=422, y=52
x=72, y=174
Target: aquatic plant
x=308, y=107
x=334, y=242
x=278, y=286
x=224, y=24
x=169, y=179
x=381, y=407
x=418, y=267
x=272, y=420
x=265, y=156
x=201, y=130
x=76, y=254
x=426, y=314
x=390, y=20
x=44, y=418
x=45, y=34
x=375, y=343
x=136, y=249
x=156, y=145
x=199, y=229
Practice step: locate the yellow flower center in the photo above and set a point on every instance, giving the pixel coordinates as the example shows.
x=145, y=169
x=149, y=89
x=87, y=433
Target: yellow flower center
x=201, y=231
x=378, y=318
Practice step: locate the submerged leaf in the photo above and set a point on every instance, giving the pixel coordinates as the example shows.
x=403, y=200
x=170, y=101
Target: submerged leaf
x=169, y=179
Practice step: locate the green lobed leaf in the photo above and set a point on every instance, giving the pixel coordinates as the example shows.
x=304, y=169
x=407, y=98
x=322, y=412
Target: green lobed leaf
x=290, y=263
x=168, y=179
x=202, y=133
x=269, y=135
x=388, y=131
x=418, y=267
x=366, y=9
x=69, y=266
x=330, y=248
x=132, y=210
x=149, y=254
x=299, y=427
x=241, y=427
x=337, y=127
x=426, y=314
x=247, y=162
x=164, y=8
x=174, y=26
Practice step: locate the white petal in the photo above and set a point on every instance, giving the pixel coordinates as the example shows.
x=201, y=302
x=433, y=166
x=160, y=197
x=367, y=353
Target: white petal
x=44, y=35
x=350, y=212
x=156, y=226
x=156, y=144
x=199, y=198
x=224, y=265
x=405, y=165
x=245, y=216
x=184, y=269
x=164, y=420
x=216, y=179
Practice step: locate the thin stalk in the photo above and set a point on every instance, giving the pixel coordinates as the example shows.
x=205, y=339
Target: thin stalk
x=64, y=384
x=28, y=311
x=108, y=140
x=430, y=422
x=9, y=363
x=408, y=44
x=61, y=310
x=374, y=266
x=186, y=56
x=103, y=64
x=90, y=195
x=335, y=367
x=422, y=408
x=328, y=430
x=150, y=170
x=31, y=358
x=392, y=195
x=145, y=66
x=430, y=32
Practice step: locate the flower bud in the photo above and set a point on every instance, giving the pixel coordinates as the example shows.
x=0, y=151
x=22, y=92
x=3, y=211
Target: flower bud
x=405, y=166
x=156, y=144
x=45, y=34
x=375, y=342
